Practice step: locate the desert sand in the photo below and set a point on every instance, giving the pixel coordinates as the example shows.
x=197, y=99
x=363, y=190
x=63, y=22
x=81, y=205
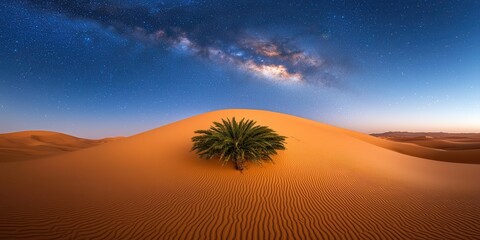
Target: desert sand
x=330, y=183
x=28, y=145
x=436, y=140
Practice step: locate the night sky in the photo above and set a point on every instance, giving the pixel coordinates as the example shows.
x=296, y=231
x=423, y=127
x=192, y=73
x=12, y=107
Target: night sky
x=107, y=68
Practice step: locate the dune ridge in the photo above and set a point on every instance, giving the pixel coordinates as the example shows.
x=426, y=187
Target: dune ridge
x=463, y=155
x=330, y=183
x=28, y=145
x=436, y=140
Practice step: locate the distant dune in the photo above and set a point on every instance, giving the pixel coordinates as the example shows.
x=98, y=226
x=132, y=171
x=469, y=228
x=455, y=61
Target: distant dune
x=436, y=140
x=330, y=183
x=34, y=144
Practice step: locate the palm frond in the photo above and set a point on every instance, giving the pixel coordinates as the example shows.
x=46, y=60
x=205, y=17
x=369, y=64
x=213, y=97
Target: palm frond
x=237, y=141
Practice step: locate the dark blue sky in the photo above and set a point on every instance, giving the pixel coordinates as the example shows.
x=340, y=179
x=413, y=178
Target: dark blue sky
x=103, y=68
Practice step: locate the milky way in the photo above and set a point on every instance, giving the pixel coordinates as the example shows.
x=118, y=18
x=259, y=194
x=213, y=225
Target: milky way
x=188, y=28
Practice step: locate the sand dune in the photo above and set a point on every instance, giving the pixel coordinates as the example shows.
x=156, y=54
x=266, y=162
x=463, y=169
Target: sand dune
x=444, y=141
x=330, y=183
x=34, y=144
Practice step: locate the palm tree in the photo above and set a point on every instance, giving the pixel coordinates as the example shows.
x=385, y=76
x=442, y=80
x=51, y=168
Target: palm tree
x=237, y=142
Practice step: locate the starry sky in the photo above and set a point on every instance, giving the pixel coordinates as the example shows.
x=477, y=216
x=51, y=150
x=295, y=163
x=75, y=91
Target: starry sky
x=119, y=67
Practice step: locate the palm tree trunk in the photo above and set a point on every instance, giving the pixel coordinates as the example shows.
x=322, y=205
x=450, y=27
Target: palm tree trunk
x=240, y=164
